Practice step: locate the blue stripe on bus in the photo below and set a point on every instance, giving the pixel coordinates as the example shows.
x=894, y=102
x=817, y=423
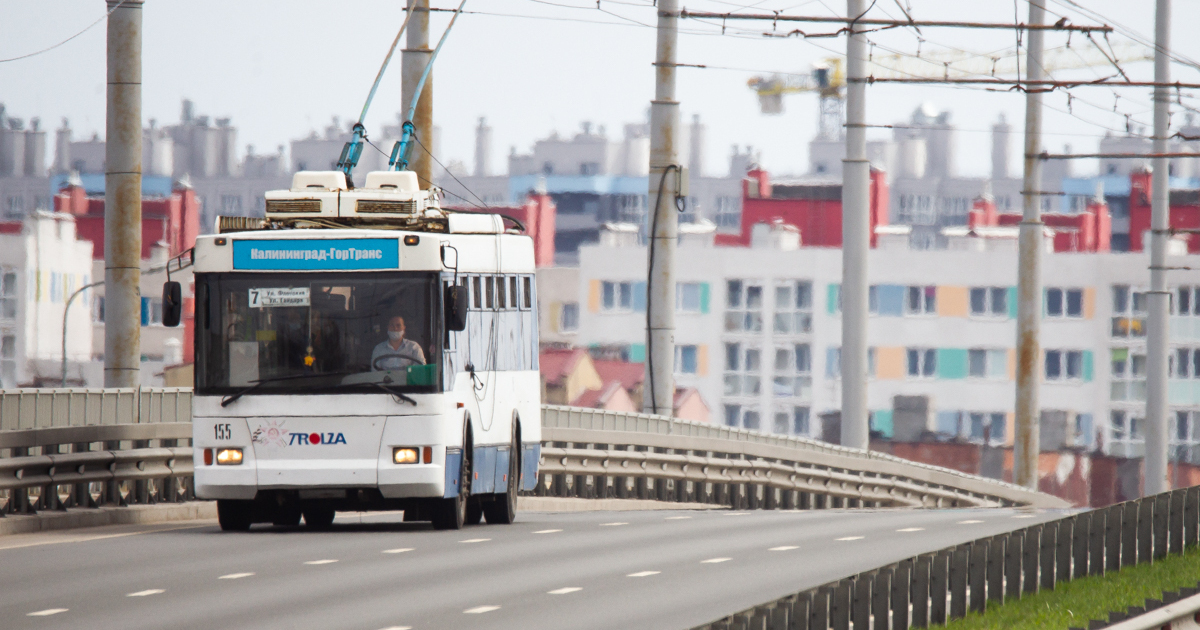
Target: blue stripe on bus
x=484, y=466
x=529, y=466
x=453, y=465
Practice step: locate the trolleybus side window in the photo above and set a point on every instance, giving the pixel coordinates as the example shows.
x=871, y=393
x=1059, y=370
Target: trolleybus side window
x=490, y=288
x=527, y=292
x=476, y=292
x=501, y=300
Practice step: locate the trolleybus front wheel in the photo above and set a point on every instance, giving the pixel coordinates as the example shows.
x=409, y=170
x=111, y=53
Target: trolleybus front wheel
x=234, y=516
x=502, y=509
x=452, y=513
x=318, y=517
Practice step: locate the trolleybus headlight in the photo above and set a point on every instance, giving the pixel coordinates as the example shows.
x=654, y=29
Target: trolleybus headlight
x=405, y=455
x=229, y=456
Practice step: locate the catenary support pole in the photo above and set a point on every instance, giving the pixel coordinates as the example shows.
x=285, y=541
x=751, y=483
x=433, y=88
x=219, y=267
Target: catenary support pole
x=1029, y=272
x=1157, y=333
x=412, y=64
x=664, y=220
x=856, y=174
x=123, y=197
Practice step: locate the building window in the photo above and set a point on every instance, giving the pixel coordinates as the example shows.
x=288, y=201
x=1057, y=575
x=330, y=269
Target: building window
x=1185, y=363
x=1128, y=376
x=8, y=361
x=231, y=205
x=617, y=296
x=989, y=301
x=728, y=212
x=1064, y=365
x=981, y=423
x=1064, y=302
x=738, y=416
x=793, y=372
x=686, y=360
x=744, y=304
x=833, y=362
x=921, y=301
x=1129, y=313
x=8, y=294
x=922, y=362
x=1125, y=427
x=688, y=297
x=793, y=308
x=568, y=317
x=743, y=364
x=783, y=421
x=983, y=363
x=800, y=423
x=1187, y=302
x=733, y=415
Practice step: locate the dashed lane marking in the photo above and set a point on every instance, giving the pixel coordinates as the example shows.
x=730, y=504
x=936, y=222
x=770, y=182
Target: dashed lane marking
x=1024, y=515
x=397, y=628
x=783, y=548
x=47, y=612
x=846, y=538
x=612, y=524
x=320, y=562
x=676, y=518
x=911, y=529
x=235, y=576
x=480, y=609
x=715, y=560
x=547, y=531
x=643, y=573
x=147, y=592
x=475, y=540
x=969, y=522
x=401, y=550
x=737, y=514
x=564, y=591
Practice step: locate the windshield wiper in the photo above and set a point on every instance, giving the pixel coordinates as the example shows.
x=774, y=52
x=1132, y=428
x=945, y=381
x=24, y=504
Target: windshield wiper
x=396, y=393
x=230, y=399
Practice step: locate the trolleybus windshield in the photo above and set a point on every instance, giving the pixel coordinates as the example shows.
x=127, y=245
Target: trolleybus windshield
x=316, y=333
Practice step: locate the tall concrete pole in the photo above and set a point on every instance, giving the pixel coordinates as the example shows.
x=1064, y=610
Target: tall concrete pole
x=856, y=227
x=1029, y=272
x=123, y=198
x=664, y=175
x=412, y=63
x=1159, y=299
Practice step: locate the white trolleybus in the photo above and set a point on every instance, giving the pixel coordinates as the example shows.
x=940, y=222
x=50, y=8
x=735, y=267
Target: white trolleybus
x=362, y=349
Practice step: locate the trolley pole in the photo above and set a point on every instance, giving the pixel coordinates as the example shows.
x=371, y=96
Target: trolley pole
x=856, y=225
x=664, y=219
x=1159, y=299
x=413, y=60
x=123, y=197
x=1029, y=272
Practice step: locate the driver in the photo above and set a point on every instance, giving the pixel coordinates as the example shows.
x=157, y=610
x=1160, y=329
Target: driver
x=397, y=352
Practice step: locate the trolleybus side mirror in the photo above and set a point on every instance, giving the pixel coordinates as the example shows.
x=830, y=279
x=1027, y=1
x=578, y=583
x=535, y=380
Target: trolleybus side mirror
x=456, y=307
x=172, y=303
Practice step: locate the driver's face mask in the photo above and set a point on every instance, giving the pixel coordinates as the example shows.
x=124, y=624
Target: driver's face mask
x=395, y=335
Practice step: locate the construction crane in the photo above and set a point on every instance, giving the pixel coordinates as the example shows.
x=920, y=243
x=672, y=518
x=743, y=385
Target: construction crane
x=828, y=78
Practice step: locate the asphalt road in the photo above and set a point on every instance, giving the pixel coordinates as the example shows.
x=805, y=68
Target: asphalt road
x=603, y=570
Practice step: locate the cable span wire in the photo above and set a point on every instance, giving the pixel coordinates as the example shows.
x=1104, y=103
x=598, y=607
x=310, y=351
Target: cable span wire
x=86, y=29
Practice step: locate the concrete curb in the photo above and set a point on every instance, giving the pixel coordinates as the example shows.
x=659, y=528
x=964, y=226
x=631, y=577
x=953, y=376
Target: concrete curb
x=559, y=504
x=132, y=515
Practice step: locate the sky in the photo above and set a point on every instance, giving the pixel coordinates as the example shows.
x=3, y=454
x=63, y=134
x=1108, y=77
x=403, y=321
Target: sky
x=533, y=67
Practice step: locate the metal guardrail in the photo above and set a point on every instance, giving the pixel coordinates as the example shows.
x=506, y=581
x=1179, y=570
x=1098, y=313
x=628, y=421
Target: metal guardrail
x=1183, y=614
x=598, y=454
x=936, y=587
x=76, y=407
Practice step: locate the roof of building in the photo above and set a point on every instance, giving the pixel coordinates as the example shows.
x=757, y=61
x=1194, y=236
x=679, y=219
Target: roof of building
x=556, y=364
x=10, y=227
x=629, y=374
x=596, y=398
x=683, y=393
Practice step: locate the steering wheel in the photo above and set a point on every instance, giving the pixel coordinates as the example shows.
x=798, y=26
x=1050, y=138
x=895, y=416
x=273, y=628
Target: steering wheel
x=375, y=364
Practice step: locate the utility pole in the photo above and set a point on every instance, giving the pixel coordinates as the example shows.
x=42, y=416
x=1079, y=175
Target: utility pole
x=413, y=60
x=123, y=197
x=1029, y=271
x=856, y=225
x=665, y=184
x=1159, y=299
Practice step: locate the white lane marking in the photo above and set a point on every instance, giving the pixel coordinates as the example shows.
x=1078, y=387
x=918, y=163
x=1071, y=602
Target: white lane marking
x=643, y=573
x=320, y=562
x=149, y=591
x=47, y=612
x=474, y=540
x=480, y=609
x=715, y=560
x=235, y=576
x=1024, y=515
x=46, y=538
x=845, y=538
x=737, y=513
x=911, y=529
x=401, y=550
x=564, y=591
x=783, y=548
x=676, y=518
x=397, y=628
x=969, y=522
x=612, y=524
x=548, y=531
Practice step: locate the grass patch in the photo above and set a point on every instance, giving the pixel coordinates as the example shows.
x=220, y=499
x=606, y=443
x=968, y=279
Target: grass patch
x=1075, y=602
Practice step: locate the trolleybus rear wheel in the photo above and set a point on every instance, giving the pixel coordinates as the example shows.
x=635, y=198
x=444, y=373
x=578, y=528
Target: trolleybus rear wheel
x=234, y=516
x=318, y=517
x=503, y=509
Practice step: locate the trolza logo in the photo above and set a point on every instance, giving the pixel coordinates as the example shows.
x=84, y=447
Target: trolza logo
x=273, y=433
